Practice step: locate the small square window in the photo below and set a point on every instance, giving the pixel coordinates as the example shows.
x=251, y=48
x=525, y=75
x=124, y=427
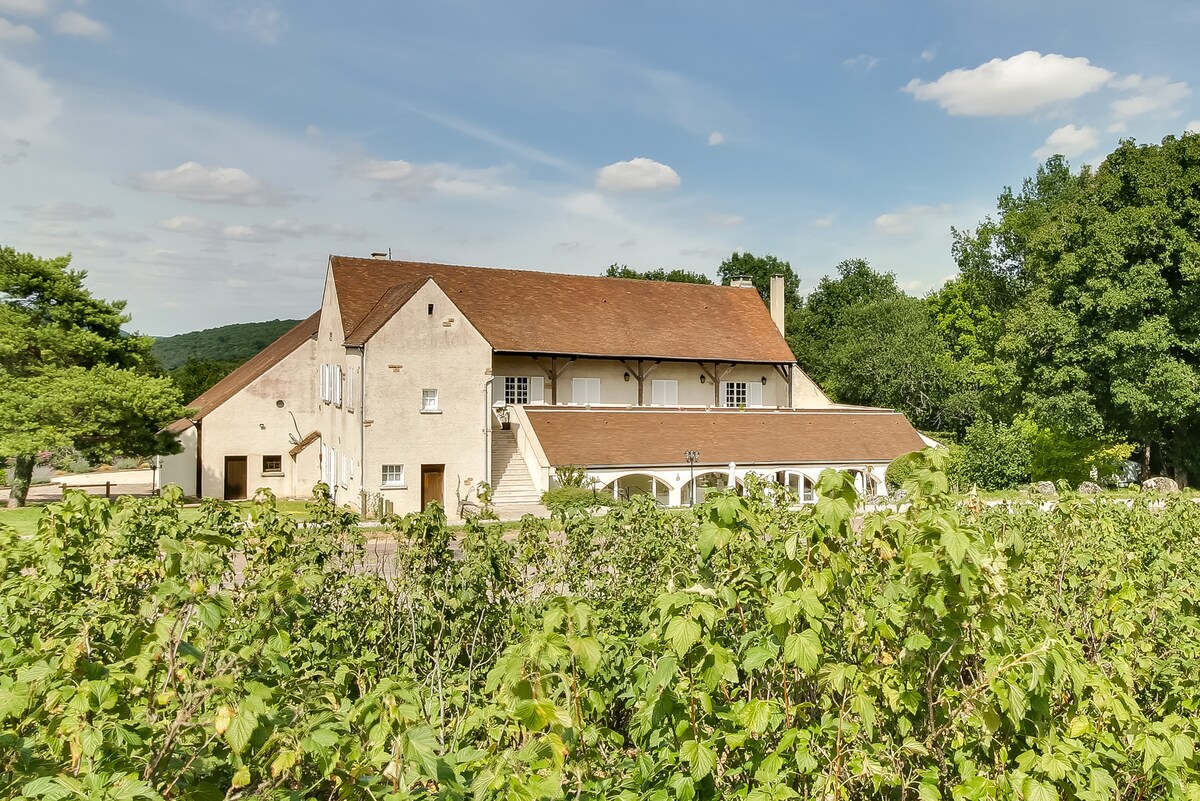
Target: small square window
x=429, y=400
x=516, y=390
x=393, y=475
x=430, y=308
x=735, y=393
x=272, y=464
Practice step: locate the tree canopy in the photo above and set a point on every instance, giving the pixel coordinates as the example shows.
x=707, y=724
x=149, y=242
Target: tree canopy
x=864, y=341
x=676, y=276
x=759, y=270
x=1097, y=275
x=69, y=376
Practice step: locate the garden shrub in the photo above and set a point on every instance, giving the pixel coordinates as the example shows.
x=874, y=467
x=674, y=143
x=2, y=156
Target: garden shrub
x=740, y=650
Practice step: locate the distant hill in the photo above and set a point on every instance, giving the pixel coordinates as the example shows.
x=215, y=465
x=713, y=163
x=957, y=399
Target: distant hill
x=230, y=343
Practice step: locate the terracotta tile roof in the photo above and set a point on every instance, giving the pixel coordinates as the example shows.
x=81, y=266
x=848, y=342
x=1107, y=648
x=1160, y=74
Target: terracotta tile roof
x=521, y=311
x=249, y=370
x=651, y=437
x=388, y=304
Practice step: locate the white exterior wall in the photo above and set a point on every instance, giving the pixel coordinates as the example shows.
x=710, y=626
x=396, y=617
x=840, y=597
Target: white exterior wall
x=413, y=351
x=252, y=424
x=675, y=478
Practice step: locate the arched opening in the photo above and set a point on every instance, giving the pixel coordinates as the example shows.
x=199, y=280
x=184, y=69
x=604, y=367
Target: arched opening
x=626, y=487
x=798, y=483
x=704, y=483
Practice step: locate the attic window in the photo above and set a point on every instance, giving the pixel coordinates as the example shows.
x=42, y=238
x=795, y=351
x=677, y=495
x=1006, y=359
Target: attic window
x=430, y=308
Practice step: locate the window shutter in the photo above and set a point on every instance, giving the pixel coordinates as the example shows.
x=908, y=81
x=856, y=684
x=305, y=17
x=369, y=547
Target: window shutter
x=497, y=389
x=754, y=394
x=724, y=393
x=537, y=392
x=350, y=388
x=664, y=392
x=337, y=385
x=324, y=382
x=585, y=390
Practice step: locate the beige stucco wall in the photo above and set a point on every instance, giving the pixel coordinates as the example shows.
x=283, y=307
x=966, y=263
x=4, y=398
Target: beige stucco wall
x=340, y=425
x=615, y=390
x=252, y=424
x=413, y=351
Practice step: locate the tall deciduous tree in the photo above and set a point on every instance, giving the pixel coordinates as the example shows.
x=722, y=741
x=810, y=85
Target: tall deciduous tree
x=759, y=270
x=68, y=375
x=867, y=342
x=1100, y=274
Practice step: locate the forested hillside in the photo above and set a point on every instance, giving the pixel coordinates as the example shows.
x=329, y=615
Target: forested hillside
x=236, y=342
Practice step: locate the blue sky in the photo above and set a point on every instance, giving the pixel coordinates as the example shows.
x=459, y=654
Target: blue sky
x=202, y=158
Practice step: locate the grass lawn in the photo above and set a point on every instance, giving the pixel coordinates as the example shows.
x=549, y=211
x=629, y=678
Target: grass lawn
x=24, y=520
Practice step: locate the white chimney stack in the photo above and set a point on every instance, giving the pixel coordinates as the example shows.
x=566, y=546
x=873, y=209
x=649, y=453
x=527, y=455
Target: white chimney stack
x=776, y=295
x=742, y=282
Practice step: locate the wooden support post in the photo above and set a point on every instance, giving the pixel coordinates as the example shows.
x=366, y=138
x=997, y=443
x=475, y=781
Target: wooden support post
x=553, y=373
x=715, y=375
x=640, y=372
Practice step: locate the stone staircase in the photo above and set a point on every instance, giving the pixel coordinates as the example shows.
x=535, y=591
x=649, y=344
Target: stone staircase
x=511, y=483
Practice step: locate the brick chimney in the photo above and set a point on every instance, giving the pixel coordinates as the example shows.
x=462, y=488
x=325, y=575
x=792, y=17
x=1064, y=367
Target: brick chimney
x=776, y=296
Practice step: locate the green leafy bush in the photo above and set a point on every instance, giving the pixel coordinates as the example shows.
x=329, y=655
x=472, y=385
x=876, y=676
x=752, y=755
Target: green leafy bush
x=573, y=497
x=901, y=468
x=992, y=456
x=741, y=650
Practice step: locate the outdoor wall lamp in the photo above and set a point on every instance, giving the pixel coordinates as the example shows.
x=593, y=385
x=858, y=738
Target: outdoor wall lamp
x=702, y=378
x=627, y=378
x=764, y=380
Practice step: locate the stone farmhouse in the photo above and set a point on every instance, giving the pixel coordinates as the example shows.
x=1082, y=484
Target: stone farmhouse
x=419, y=382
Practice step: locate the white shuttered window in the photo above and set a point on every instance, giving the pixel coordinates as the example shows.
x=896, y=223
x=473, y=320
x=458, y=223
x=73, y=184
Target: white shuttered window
x=664, y=392
x=585, y=390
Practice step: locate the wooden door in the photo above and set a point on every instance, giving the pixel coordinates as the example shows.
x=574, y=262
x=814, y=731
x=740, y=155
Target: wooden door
x=235, y=478
x=432, y=484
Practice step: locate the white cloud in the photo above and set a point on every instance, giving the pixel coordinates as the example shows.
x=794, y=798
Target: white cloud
x=929, y=53
x=49, y=229
x=637, y=175
x=193, y=181
x=399, y=177
x=863, y=62
x=1024, y=83
x=25, y=8
x=10, y=32
x=72, y=23
x=594, y=205
x=907, y=221
x=1193, y=126
x=270, y=232
x=66, y=210
x=265, y=23
x=823, y=222
x=1068, y=141
x=716, y=138
x=1154, y=95
x=29, y=102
